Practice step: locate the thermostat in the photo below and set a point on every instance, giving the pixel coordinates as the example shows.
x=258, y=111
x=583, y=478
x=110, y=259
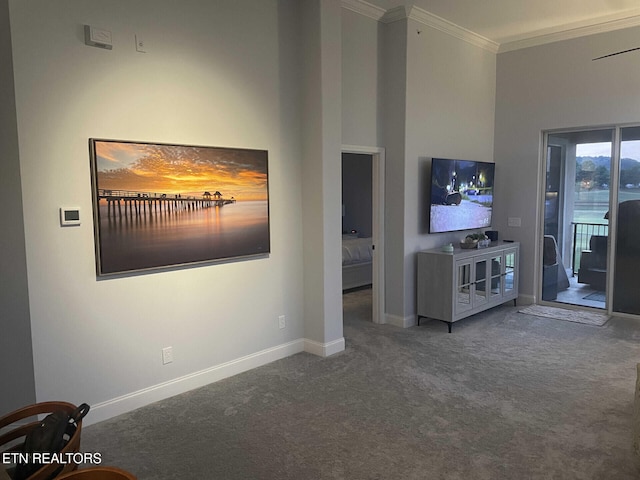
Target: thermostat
x=97, y=37
x=69, y=216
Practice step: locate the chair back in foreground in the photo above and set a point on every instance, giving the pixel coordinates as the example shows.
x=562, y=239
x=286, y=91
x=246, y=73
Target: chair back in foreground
x=98, y=473
x=19, y=423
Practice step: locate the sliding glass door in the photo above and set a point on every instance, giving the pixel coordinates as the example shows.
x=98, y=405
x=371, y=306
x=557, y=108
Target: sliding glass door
x=584, y=261
x=576, y=226
x=626, y=278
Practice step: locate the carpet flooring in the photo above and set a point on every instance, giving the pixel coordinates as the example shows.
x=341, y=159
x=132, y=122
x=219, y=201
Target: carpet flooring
x=505, y=396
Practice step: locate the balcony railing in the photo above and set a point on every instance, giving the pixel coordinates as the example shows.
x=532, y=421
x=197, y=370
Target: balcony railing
x=582, y=233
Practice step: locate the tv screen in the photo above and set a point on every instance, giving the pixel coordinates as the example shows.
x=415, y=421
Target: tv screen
x=461, y=195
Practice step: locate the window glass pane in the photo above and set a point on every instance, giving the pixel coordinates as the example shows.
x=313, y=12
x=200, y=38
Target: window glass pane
x=626, y=283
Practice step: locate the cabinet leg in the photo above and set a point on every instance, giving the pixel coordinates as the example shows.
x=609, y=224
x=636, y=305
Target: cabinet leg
x=448, y=324
x=514, y=302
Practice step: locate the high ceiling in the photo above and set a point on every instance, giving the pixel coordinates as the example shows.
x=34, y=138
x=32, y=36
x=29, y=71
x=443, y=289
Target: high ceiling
x=504, y=21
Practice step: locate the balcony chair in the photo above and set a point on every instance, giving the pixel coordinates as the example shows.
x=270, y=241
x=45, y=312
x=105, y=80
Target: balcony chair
x=627, y=263
x=593, y=263
x=554, y=275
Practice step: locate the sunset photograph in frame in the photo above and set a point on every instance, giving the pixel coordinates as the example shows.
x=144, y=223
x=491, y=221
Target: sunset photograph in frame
x=161, y=205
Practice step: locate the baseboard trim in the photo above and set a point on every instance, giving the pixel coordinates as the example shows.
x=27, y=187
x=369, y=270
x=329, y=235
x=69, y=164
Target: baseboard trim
x=402, y=322
x=324, y=349
x=526, y=299
x=126, y=403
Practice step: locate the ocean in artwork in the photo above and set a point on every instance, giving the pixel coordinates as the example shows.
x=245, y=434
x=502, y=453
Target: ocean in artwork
x=146, y=238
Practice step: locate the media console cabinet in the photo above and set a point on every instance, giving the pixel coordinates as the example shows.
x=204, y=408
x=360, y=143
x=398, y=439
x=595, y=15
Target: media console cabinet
x=455, y=285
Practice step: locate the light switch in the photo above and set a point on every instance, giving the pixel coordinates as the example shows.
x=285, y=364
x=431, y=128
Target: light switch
x=140, y=44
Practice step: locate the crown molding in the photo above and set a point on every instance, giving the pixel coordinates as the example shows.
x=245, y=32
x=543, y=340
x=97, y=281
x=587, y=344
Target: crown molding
x=541, y=37
x=575, y=30
x=364, y=8
x=395, y=14
x=430, y=20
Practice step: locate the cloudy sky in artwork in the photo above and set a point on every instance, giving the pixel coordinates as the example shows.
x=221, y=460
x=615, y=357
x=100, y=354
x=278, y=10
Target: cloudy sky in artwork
x=184, y=170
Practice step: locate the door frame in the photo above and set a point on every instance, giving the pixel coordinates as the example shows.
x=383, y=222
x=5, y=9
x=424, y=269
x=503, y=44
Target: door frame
x=377, y=199
x=613, y=216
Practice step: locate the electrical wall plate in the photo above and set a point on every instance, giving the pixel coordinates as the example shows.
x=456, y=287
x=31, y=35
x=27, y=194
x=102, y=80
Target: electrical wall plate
x=69, y=216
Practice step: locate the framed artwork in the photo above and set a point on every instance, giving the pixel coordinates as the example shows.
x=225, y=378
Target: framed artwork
x=159, y=205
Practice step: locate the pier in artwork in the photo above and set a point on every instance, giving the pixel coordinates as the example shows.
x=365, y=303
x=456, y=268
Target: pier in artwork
x=125, y=203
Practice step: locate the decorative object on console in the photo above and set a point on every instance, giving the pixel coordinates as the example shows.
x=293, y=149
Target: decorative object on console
x=448, y=248
x=162, y=205
x=475, y=240
x=492, y=235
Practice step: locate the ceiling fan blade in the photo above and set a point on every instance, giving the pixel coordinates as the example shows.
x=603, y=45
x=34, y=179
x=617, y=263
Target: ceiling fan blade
x=617, y=53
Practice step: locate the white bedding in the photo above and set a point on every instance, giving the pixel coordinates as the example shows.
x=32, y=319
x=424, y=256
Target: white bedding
x=356, y=250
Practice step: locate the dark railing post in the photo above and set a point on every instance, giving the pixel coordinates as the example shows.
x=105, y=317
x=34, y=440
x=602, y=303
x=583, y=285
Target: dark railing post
x=575, y=244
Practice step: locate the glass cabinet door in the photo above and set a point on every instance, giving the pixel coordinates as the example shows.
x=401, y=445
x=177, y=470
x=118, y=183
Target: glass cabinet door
x=463, y=286
x=510, y=280
x=496, y=275
x=480, y=295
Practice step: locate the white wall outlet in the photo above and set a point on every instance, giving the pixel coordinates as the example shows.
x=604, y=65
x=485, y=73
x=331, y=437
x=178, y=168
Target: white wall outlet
x=282, y=321
x=515, y=222
x=167, y=355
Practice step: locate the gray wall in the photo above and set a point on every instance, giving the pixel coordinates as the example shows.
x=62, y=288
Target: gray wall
x=549, y=87
x=16, y=371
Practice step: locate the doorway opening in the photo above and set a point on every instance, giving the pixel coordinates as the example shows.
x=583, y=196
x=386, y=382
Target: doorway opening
x=363, y=228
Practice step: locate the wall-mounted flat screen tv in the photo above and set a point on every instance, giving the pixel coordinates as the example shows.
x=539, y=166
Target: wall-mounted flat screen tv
x=461, y=195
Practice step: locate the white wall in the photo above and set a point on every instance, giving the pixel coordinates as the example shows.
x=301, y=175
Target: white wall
x=361, y=80
x=216, y=73
x=549, y=87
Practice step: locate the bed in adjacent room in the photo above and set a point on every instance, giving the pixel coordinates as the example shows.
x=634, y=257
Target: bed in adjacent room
x=357, y=261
